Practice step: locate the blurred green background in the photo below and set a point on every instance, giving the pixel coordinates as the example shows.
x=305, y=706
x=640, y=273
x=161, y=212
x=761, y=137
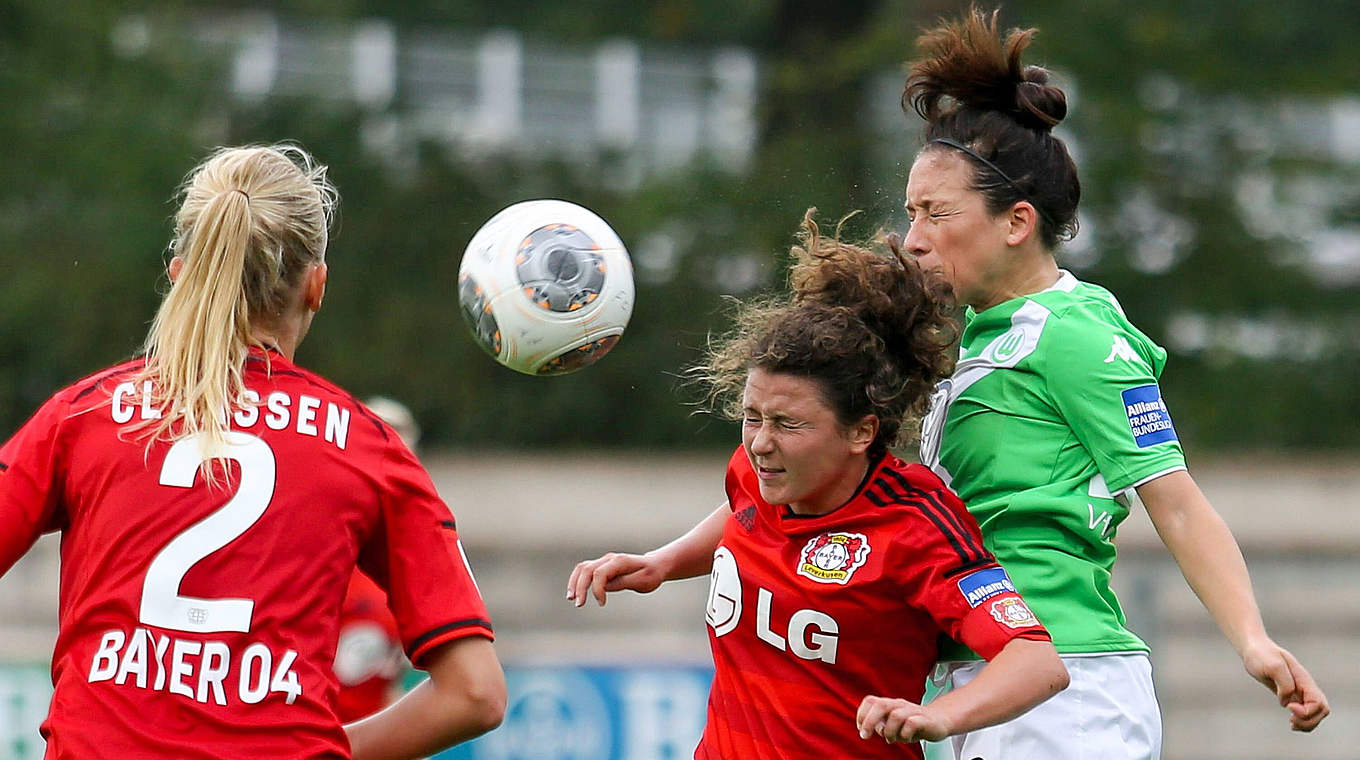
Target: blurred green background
x=1219, y=148
x=1218, y=140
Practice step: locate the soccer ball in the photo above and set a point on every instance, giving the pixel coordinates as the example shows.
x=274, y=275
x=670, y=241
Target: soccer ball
x=546, y=287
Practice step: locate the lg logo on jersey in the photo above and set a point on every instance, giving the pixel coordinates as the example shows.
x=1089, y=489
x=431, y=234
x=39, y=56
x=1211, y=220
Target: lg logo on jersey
x=812, y=635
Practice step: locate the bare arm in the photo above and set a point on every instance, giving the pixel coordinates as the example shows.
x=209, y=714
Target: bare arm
x=685, y=557
x=1023, y=674
x=464, y=697
x=1212, y=564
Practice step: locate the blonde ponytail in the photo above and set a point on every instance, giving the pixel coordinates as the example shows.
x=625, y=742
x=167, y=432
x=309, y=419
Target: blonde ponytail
x=251, y=221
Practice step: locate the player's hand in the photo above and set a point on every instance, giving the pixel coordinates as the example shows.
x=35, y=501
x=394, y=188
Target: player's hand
x=1281, y=672
x=614, y=572
x=897, y=720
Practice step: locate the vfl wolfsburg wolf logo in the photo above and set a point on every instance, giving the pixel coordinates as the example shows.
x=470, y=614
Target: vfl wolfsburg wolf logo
x=833, y=557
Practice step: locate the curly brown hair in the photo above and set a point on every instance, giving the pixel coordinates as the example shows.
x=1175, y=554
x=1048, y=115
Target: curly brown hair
x=862, y=321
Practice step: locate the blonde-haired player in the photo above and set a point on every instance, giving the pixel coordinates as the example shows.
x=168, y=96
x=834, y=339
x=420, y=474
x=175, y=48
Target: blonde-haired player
x=214, y=499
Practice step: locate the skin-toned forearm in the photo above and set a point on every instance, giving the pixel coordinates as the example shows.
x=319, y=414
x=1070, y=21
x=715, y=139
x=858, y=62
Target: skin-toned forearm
x=686, y=557
x=463, y=698
x=1212, y=564
x=1023, y=674
x=1207, y=553
x=691, y=555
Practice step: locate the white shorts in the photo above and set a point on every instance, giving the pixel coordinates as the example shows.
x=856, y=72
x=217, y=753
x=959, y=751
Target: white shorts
x=1108, y=712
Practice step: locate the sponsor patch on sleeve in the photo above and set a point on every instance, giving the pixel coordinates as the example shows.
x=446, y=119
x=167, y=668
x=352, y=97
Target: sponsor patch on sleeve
x=978, y=587
x=1149, y=420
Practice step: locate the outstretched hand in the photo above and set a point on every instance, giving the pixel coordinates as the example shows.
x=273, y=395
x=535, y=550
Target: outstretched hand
x=613, y=572
x=898, y=720
x=1294, y=687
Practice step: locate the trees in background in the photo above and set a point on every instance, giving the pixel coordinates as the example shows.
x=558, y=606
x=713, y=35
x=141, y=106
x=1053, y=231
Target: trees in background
x=1217, y=168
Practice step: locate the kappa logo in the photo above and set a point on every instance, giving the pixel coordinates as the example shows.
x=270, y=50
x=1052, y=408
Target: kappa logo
x=1012, y=613
x=833, y=557
x=1121, y=350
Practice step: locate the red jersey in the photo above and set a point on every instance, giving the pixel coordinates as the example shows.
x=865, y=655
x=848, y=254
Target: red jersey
x=368, y=660
x=201, y=621
x=810, y=614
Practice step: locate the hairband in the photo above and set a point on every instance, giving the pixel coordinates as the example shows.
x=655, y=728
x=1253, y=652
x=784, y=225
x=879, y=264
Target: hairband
x=960, y=146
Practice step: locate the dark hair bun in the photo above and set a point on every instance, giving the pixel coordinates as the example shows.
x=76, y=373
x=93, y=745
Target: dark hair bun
x=967, y=65
x=1039, y=104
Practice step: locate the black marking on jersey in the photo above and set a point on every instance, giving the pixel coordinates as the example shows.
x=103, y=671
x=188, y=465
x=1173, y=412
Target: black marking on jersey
x=746, y=518
x=99, y=380
x=450, y=524
x=980, y=552
x=371, y=417
x=3, y=466
x=948, y=513
x=874, y=462
x=455, y=625
x=878, y=500
x=968, y=567
x=892, y=497
x=953, y=519
x=335, y=389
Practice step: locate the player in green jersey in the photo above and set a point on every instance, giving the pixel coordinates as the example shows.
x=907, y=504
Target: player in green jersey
x=1053, y=416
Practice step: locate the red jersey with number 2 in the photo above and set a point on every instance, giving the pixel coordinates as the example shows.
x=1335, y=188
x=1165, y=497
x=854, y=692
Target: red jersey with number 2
x=200, y=621
x=808, y=615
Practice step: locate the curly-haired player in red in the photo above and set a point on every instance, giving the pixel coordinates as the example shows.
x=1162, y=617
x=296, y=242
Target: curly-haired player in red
x=835, y=565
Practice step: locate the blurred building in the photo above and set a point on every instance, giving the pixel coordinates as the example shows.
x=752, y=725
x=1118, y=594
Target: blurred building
x=646, y=109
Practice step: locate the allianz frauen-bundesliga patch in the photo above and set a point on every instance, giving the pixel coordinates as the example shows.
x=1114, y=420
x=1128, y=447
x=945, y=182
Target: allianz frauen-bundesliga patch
x=977, y=587
x=1149, y=420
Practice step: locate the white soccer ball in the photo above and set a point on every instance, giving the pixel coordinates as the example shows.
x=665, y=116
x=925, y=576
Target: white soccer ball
x=546, y=287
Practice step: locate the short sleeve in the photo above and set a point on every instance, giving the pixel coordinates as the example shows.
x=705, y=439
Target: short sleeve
x=415, y=554
x=30, y=491
x=1102, y=378
x=957, y=582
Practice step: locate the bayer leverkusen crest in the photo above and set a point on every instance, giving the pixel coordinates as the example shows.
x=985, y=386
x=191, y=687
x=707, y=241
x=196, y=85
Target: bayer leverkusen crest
x=833, y=557
x=1012, y=612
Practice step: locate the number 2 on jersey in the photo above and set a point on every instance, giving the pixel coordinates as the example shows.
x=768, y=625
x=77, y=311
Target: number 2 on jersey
x=162, y=604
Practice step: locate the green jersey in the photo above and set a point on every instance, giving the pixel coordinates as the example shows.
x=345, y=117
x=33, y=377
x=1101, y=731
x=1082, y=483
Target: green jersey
x=1052, y=417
